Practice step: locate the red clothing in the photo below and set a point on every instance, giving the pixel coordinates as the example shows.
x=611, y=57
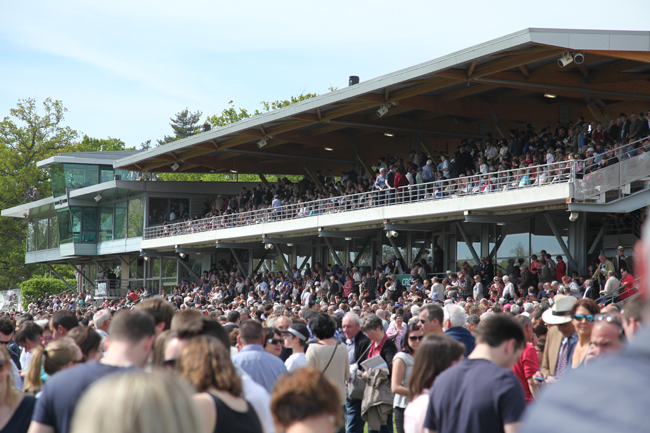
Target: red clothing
x=376, y=350
x=133, y=296
x=526, y=367
x=560, y=271
x=626, y=294
x=348, y=288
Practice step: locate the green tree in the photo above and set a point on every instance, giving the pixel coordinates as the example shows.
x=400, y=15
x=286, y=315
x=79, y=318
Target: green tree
x=89, y=144
x=184, y=124
x=30, y=133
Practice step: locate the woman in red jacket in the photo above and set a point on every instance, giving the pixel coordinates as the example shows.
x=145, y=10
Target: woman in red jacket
x=400, y=182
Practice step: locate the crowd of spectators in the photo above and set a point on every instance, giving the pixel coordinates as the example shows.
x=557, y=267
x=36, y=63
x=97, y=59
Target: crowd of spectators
x=525, y=158
x=234, y=340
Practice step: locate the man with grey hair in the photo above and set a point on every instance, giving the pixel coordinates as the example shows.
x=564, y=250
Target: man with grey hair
x=382, y=315
x=528, y=307
x=454, y=326
x=472, y=323
x=509, y=289
x=102, y=320
x=515, y=309
x=357, y=344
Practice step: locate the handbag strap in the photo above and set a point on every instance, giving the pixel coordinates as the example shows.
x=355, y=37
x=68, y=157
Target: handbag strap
x=366, y=351
x=331, y=357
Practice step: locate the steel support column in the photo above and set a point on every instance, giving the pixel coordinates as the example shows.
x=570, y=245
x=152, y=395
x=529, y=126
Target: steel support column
x=560, y=241
x=187, y=268
x=236, y=256
x=82, y=275
x=468, y=242
x=395, y=248
x=259, y=265
x=60, y=277
x=333, y=251
x=284, y=259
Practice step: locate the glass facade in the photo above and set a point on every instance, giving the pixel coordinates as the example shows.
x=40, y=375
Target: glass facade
x=120, y=220
x=135, y=217
x=42, y=234
x=105, y=224
x=74, y=176
x=167, y=209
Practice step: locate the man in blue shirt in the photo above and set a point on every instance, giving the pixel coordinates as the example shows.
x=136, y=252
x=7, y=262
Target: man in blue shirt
x=380, y=186
x=264, y=368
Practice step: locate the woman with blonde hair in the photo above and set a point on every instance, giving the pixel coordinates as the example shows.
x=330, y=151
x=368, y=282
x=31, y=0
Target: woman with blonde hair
x=206, y=364
x=138, y=402
x=15, y=407
x=57, y=355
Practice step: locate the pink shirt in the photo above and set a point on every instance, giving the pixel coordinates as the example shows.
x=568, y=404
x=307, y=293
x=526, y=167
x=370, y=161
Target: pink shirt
x=415, y=412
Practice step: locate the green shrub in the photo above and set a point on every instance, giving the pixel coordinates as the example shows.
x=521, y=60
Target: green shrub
x=35, y=288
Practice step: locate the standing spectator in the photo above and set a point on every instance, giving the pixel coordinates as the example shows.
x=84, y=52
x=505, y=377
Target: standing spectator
x=486, y=394
x=454, y=325
x=61, y=322
x=264, y=368
x=431, y=318
x=610, y=291
x=16, y=407
x=132, y=335
x=560, y=339
x=527, y=365
x=358, y=346
x=478, y=290
x=206, y=364
x=583, y=313
x=328, y=355
x=397, y=330
x=627, y=284
x=295, y=339
x=402, y=366
x=604, y=266
x=560, y=269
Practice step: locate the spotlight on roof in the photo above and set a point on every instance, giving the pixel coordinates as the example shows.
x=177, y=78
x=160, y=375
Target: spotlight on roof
x=182, y=255
x=566, y=59
x=550, y=95
x=388, y=134
x=573, y=216
x=348, y=239
x=98, y=197
x=234, y=171
x=175, y=166
x=263, y=142
x=383, y=109
x=268, y=246
x=354, y=79
x=391, y=234
x=579, y=58
x=289, y=245
x=329, y=149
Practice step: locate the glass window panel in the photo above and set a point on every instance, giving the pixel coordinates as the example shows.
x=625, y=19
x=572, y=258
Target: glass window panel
x=155, y=266
x=120, y=221
x=542, y=237
x=515, y=245
x=31, y=235
x=105, y=224
x=58, y=180
x=135, y=217
x=75, y=216
x=90, y=218
x=179, y=208
x=462, y=250
x=128, y=175
x=169, y=268
x=53, y=233
x=153, y=286
x=80, y=175
x=158, y=210
x=106, y=174
x=65, y=226
x=41, y=236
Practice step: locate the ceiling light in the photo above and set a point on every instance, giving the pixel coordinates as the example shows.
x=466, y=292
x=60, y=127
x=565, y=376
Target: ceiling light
x=329, y=149
x=182, y=255
x=233, y=171
x=175, y=166
x=348, y=239
x=289, y=245
x=383, y=109
x=550, y=95
x=263, y=142
x=388, y=134
x=98, y=197
x=566, y=59
x=579, y=58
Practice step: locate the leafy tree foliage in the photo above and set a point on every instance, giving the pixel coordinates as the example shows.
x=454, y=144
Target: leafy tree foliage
x=89, y=144
x=184, y=124
x=30, y=133
x=35, y=288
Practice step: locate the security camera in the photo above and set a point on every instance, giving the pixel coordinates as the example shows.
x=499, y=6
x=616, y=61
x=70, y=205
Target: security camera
x=565, y=60
x=573, y=216
x=579, y=58
x=383, y=109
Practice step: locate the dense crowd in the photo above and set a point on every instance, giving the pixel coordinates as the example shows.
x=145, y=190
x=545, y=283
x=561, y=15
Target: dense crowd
x=323, y=349
x=526, y=158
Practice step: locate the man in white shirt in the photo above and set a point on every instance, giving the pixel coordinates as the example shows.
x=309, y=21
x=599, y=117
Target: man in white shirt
x=478, y=288
x=436, y=287
x=509, y=289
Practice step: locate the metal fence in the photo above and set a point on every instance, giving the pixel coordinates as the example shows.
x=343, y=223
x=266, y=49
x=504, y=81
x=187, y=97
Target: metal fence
x=587, y=185
x=11, y=300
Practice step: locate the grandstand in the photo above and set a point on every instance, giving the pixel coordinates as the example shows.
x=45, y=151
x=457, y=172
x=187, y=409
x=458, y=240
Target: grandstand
x=528, y=152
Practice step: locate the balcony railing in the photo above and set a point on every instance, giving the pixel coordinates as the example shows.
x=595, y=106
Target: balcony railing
x=588, y=177
x=525, y=178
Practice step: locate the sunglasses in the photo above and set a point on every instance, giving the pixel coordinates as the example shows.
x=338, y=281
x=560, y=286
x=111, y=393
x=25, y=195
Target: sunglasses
x=415, y=338
x=609, y=319
x=588, y=317
x=6, y=343
x=274, y=341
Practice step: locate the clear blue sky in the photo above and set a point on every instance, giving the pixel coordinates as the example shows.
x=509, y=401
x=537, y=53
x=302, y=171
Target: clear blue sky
x=124, y=67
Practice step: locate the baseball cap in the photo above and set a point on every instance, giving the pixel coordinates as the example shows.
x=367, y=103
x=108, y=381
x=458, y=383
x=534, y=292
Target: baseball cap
x=298, y=330
x=435, y=296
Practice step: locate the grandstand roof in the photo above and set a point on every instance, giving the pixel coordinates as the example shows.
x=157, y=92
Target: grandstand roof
x=488, y=88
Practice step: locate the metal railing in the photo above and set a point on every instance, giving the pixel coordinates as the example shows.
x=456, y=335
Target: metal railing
x=11, y=301
x=508, y=180
x=601, y=173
